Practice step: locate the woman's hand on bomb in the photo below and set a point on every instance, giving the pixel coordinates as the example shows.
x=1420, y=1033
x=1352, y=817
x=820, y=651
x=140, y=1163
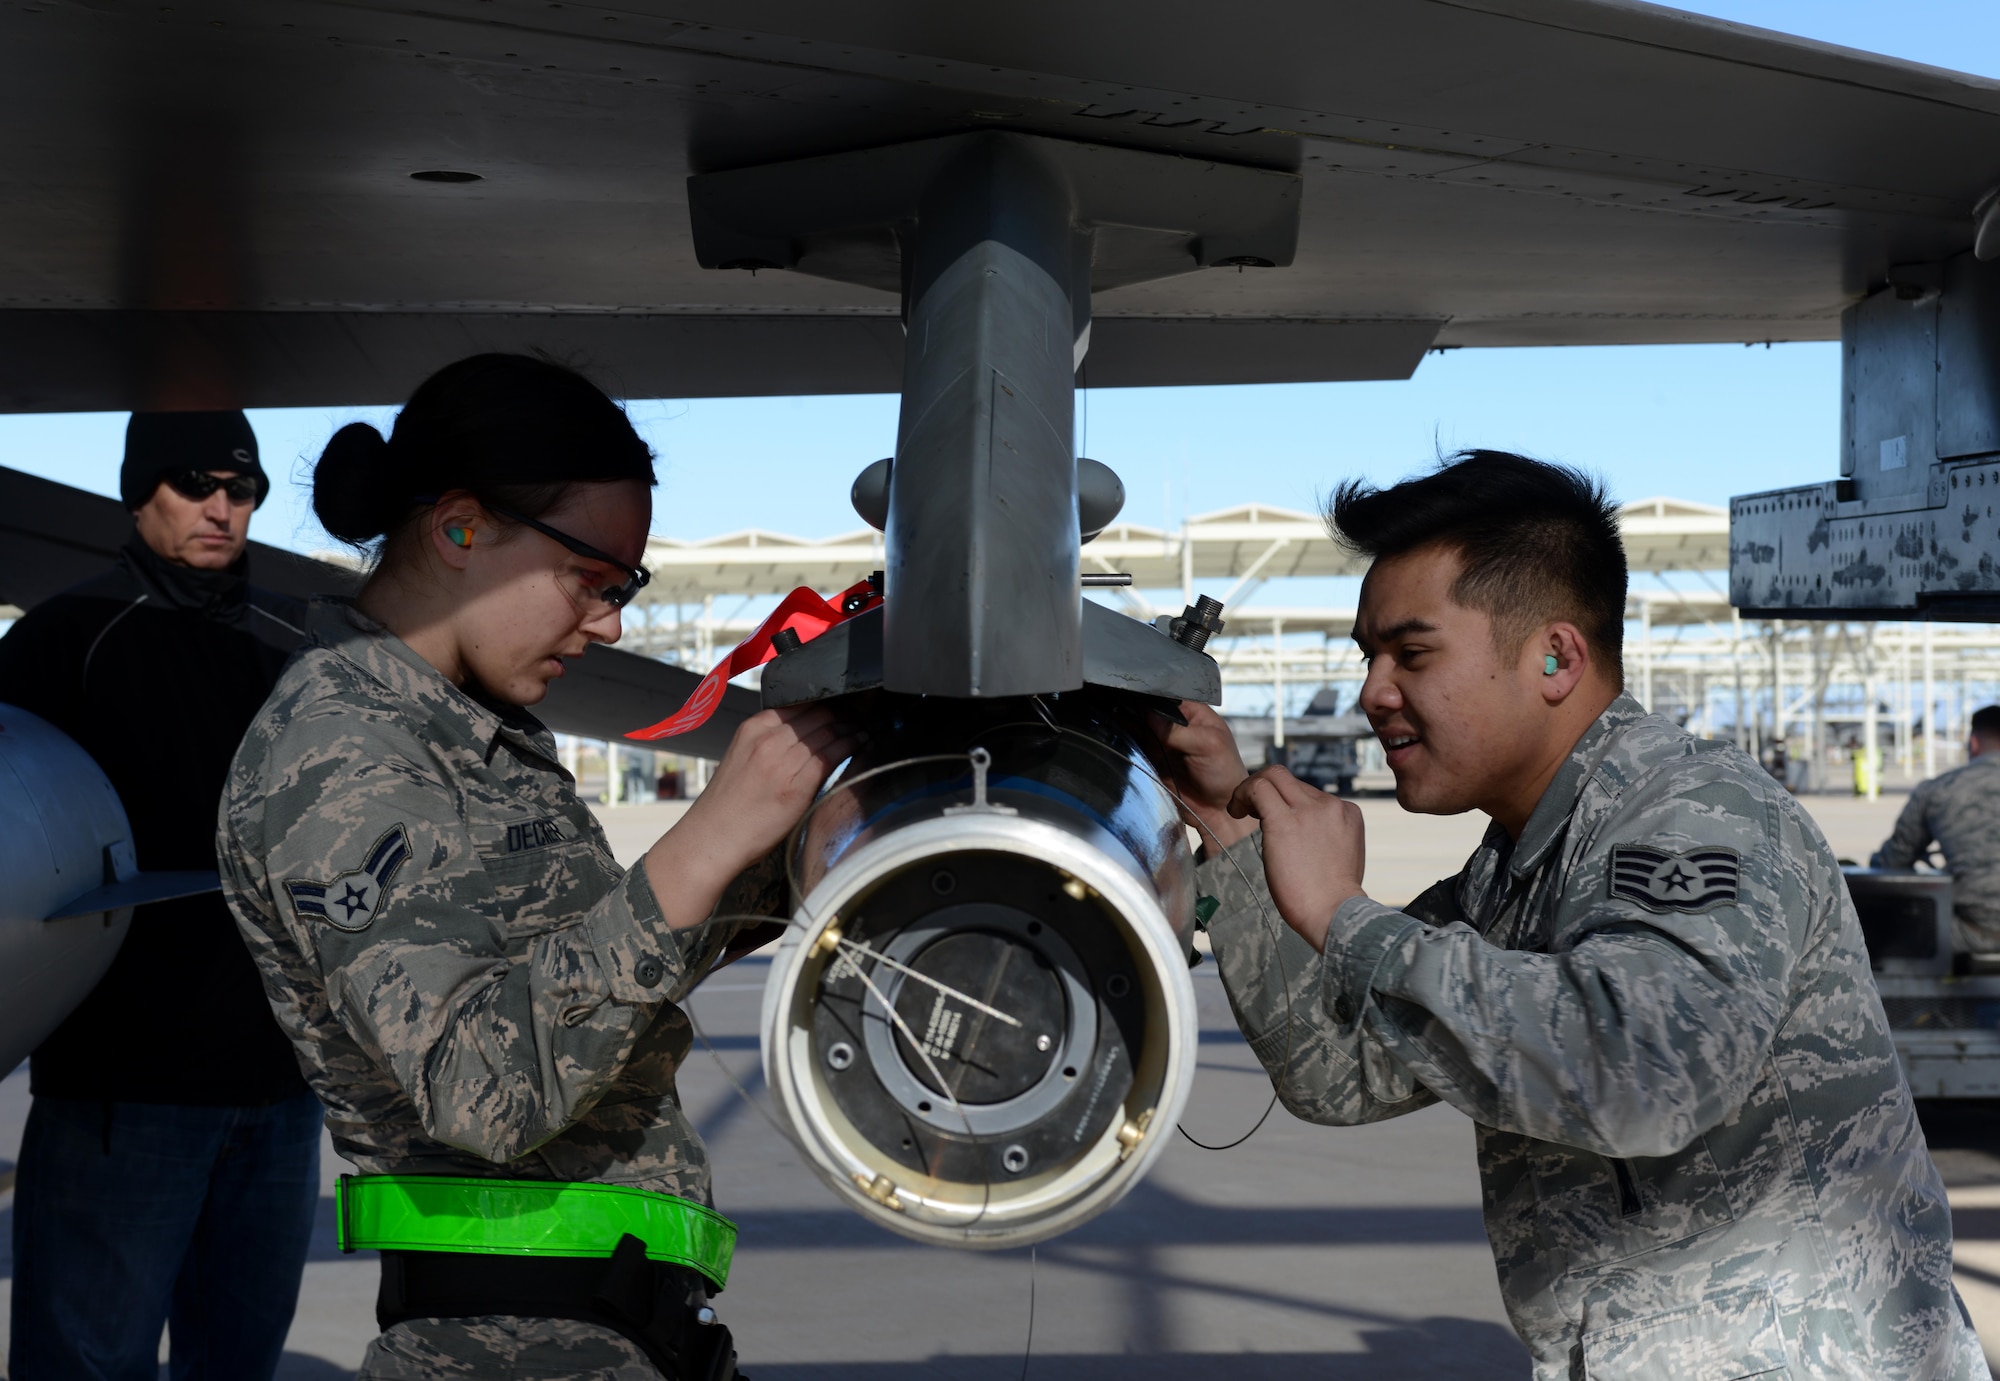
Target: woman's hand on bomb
x=762, y=788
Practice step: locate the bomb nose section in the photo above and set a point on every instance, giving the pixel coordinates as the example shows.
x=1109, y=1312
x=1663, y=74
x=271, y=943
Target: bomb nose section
x=983, y=1021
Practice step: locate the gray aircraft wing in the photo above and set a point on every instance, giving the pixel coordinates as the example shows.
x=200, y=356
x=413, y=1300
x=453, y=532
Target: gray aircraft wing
x=278, y=202
x=53, y=536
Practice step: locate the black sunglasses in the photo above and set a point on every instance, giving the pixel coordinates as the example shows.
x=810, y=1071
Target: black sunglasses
x=617, y=596
x=199, y=484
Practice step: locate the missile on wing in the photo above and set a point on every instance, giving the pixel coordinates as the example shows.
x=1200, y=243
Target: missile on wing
x=72, y=879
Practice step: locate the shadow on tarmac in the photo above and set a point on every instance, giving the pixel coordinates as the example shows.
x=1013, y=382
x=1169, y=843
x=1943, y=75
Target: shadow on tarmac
x=296, y=1366
x=1964, y=1137
x=1430, y=1349
x=1153, y=1215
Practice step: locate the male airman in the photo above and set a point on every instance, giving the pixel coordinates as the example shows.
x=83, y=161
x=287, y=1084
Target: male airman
x=1960, y=811
x=1647, y=987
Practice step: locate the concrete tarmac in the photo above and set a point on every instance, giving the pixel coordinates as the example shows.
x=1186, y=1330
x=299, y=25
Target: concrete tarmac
x=1304, y=1253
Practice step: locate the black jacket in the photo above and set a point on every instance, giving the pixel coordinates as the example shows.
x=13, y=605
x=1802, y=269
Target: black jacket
x=157, y=670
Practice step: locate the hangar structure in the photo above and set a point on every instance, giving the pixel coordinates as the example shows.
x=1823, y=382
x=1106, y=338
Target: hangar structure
x=1229, y=553
x=1688, y=651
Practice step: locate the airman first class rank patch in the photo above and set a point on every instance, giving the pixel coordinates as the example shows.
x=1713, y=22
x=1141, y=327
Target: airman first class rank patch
x=350, y=901
x=1662, y=881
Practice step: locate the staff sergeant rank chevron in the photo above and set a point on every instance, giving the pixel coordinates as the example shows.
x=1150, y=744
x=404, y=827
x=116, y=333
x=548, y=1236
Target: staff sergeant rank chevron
x=1663, y=881
x=349, y=902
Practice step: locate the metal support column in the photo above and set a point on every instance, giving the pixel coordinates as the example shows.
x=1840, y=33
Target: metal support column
x=1778, y=681
x=1277, y=683
x=704, y=658
x=1646, y=653
x=1905, y=749
x=1187, y=562
x=1930, y=707
x=1736, y=669
x=1870, y=742
x=996, y=252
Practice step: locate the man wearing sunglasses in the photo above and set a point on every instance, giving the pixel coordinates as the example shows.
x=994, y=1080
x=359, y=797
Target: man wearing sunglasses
x=169, y=1170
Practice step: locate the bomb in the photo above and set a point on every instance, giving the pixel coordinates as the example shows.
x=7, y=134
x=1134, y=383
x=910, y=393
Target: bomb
x=981, y=1027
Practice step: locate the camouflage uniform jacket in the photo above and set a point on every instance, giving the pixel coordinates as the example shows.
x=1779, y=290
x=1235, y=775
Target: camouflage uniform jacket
x=1961, y=811
x=472, y=985
x=1698, y=1155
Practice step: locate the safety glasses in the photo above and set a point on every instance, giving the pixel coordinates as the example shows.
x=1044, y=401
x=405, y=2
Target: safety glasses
x=617, y=596
x=199, y=484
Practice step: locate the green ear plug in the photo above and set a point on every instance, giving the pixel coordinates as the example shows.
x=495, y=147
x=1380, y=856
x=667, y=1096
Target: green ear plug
x=1549, y=665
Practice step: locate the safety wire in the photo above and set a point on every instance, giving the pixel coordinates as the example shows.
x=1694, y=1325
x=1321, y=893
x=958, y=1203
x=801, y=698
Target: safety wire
x=1028, y=1348
x=986, y=1185
x=741, y=1092
x=847, y=784
x=1277, y=935
x=852, y=948
x=1284, y=977
x=1028, y=1352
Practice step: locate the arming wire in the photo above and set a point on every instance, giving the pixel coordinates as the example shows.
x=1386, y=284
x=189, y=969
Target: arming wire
x=851, y=948
x=944, y=1086
x=895, y=1017
x=722, y=1064
x=1189, y=813
x=857, y=947
x=737, y=1084
x=1284, y=977
x=844, y=784
x=1028, y=1350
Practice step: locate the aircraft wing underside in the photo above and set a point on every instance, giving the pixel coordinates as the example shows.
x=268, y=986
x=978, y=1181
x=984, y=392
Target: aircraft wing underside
x=213, y=204
x=53, y=536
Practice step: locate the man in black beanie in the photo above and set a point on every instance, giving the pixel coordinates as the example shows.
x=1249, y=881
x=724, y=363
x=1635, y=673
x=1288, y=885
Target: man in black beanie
x=170, y=1166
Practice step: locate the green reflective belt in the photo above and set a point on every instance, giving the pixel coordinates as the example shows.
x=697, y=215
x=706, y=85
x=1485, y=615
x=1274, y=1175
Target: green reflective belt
x=441, y=1213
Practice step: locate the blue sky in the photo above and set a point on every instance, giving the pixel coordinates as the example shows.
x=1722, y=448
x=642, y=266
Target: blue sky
x=1695, y=422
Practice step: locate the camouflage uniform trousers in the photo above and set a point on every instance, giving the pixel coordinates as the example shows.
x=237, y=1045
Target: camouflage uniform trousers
x=544, y=1349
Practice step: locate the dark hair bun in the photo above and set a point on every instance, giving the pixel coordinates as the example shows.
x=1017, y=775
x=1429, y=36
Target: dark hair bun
x=349, y=492
x=514, y=431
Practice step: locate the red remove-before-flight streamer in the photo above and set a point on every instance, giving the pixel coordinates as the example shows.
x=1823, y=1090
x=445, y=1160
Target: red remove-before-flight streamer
x=802, y=611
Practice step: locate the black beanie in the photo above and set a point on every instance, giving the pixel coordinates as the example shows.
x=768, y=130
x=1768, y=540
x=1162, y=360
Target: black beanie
x=159, y=443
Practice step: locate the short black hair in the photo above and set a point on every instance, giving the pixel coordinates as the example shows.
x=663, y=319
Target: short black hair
x=1986, y=723
x=1539, y=541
